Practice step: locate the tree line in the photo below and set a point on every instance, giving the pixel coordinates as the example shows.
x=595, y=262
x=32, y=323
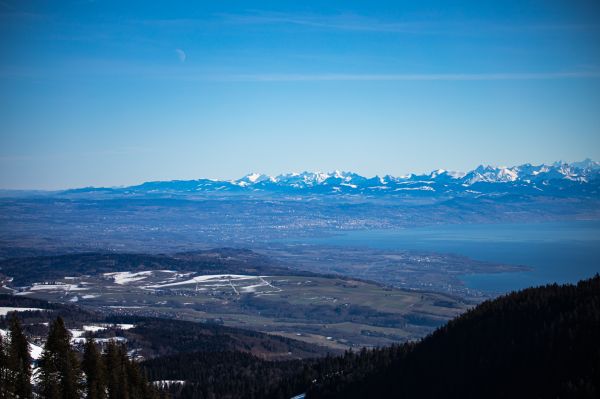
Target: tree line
x=63, y=373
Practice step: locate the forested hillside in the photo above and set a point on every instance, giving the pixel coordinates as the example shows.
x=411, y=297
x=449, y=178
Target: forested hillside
x=62, y=373
x=536, y=343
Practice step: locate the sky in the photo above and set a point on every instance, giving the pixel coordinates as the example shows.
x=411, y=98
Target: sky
x=110, y=93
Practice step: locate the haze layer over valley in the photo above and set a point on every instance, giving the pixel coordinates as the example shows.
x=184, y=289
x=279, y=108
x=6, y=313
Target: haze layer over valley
x=301, y=223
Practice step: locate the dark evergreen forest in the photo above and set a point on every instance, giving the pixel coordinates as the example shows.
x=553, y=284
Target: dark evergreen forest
x=536, y=343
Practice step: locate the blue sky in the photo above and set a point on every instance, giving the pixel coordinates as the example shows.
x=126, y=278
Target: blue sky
x=114, y=93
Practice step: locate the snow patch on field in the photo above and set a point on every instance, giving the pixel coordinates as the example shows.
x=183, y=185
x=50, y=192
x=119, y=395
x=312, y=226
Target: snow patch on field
x=56, y=287
x=77, y=333
x=124, y=326
x=128, y=277
x=34, y=351
x=167, y=383
x=123, y=278
x=82, y=340
x=94, y=328
x=211, y=278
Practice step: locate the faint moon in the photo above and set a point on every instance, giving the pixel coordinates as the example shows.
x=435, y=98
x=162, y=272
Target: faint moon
x=180, y=54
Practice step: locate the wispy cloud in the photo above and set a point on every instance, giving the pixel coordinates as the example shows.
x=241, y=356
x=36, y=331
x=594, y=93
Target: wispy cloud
x=109, y=69
x=415, y=77
x=349, y=22
x=355, y=22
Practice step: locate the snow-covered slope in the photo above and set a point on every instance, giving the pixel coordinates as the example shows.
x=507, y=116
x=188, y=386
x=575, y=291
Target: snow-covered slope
x=35, y=351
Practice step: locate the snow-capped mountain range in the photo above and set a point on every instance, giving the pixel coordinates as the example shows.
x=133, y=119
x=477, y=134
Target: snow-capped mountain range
x=556, y=179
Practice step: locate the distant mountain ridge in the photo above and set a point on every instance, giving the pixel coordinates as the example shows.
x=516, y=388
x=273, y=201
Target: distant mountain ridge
x=564, y=179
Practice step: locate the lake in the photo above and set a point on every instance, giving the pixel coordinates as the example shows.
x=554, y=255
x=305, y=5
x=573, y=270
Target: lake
x=562, y=252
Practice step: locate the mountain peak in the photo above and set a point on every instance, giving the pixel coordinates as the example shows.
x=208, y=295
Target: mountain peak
x=586, y=164
x=251, y=178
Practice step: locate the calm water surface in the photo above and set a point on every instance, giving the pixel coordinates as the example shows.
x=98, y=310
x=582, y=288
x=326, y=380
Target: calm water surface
x=557, y=252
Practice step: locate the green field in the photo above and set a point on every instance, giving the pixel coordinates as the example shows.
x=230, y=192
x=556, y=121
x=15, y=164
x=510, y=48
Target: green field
x=335, y=312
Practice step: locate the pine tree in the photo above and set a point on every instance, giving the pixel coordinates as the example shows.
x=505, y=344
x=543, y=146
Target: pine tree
x=124, y=379
x=3, y=369
x=59, y=369
x=114, y=371
x=95, y=372
x=123, y=375
x=18, y=362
